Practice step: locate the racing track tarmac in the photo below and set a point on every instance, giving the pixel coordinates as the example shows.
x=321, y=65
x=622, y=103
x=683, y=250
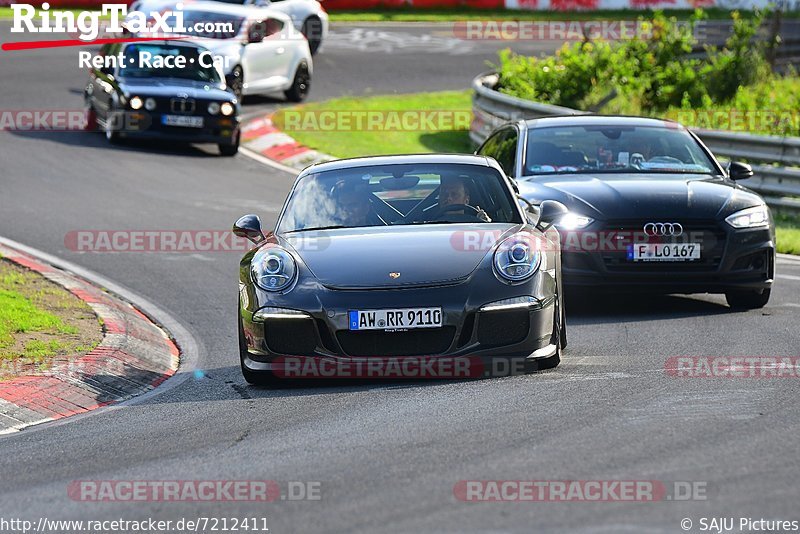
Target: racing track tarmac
x=388, y=455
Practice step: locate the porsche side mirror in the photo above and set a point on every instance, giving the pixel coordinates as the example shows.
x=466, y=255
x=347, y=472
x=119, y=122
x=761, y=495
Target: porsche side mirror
x=550, y=211
x=249, y=227
x=739, y=171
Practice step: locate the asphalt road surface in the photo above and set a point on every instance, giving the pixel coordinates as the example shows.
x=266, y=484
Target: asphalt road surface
x=387, y=455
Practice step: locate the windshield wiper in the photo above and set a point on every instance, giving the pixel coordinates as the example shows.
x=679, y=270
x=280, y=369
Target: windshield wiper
x=332, y=227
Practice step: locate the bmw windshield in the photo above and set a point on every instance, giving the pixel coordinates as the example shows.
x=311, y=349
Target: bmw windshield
x=399, y=195
x=614, y=149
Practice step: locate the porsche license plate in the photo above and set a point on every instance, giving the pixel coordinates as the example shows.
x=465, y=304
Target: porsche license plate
x=390, y=319
x=182, y=120
x=664, y=252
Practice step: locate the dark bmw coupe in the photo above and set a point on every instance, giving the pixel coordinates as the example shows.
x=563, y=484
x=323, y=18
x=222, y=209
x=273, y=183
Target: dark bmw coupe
x=162, y=90
x=650, y=208
x=425, y=256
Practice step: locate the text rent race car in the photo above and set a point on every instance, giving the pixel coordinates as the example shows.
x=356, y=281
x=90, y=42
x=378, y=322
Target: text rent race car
x=651, y=209
x=401, y=256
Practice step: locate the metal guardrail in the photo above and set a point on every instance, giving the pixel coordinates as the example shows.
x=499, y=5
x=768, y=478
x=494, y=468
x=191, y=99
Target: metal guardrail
x=773, y=157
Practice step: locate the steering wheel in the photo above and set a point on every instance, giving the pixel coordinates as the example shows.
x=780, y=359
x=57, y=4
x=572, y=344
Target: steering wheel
x=454, y=207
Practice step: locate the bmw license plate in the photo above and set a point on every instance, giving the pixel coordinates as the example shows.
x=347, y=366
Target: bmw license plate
x=391, y=319
x=664, y=252
x=182, y=120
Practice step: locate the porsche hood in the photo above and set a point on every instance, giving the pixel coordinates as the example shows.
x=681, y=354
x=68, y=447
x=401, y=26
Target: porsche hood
x=395, y=257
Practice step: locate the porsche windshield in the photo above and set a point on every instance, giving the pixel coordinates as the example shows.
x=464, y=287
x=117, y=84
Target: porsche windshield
x=614, y=149
x=399, y=195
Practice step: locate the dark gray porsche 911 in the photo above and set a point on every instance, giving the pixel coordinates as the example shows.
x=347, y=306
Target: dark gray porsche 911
x=425, y=256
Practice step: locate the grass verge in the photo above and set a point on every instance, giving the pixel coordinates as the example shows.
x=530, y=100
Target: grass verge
x=40, y=320
x=306, y=125
x=788, y=234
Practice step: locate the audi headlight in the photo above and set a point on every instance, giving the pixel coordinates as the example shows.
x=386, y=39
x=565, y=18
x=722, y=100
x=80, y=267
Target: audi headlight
x=574, y=221
x=136, y=102
x=273, y=269
x=150, y=104
x=213, y=108
x=227, y=108
x=749, y=218
x=517, y=258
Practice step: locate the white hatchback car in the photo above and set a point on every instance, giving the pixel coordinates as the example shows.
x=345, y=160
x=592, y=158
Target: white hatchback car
x=260, y=50
x=308, y=16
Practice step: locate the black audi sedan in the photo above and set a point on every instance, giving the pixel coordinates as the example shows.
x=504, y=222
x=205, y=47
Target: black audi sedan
x=425, y=256
x=650, y=207
x=162, y=90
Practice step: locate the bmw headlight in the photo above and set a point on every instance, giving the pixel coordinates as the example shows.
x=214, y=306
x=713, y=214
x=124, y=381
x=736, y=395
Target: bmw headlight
x=136, y=102
x=213, y=108
x=150, y=104
x=574, y=221
x=273, y=269
x=517, y=257
x=749, y=218
x=227, y=108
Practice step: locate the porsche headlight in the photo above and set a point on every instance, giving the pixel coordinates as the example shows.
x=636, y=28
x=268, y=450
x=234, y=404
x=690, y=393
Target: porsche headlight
x=273, y=269
x=518, y=257
x=574, y=221
x=227, y=108
x=749, y=218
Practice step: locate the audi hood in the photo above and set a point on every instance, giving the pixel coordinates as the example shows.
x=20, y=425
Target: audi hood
x=632, y=196
x=362, y=258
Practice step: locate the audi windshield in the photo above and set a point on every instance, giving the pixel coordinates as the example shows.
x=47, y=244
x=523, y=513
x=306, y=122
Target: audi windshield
x=601, y=149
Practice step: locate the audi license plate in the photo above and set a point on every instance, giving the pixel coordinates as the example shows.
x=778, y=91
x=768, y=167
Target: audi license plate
x=664, y=252
x=182, y=120
x=391, y=319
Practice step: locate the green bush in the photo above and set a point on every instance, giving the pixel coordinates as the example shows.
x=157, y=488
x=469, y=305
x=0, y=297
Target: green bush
x=651, y=73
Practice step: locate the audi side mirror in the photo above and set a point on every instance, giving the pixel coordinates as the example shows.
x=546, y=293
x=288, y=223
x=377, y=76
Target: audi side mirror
x=249, y=227
x=739, y=171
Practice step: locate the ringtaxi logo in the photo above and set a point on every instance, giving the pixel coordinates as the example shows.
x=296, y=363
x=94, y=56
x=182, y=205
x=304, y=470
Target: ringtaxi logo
x=87, y=25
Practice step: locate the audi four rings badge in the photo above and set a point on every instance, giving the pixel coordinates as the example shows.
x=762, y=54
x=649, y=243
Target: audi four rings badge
x=663, y=229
